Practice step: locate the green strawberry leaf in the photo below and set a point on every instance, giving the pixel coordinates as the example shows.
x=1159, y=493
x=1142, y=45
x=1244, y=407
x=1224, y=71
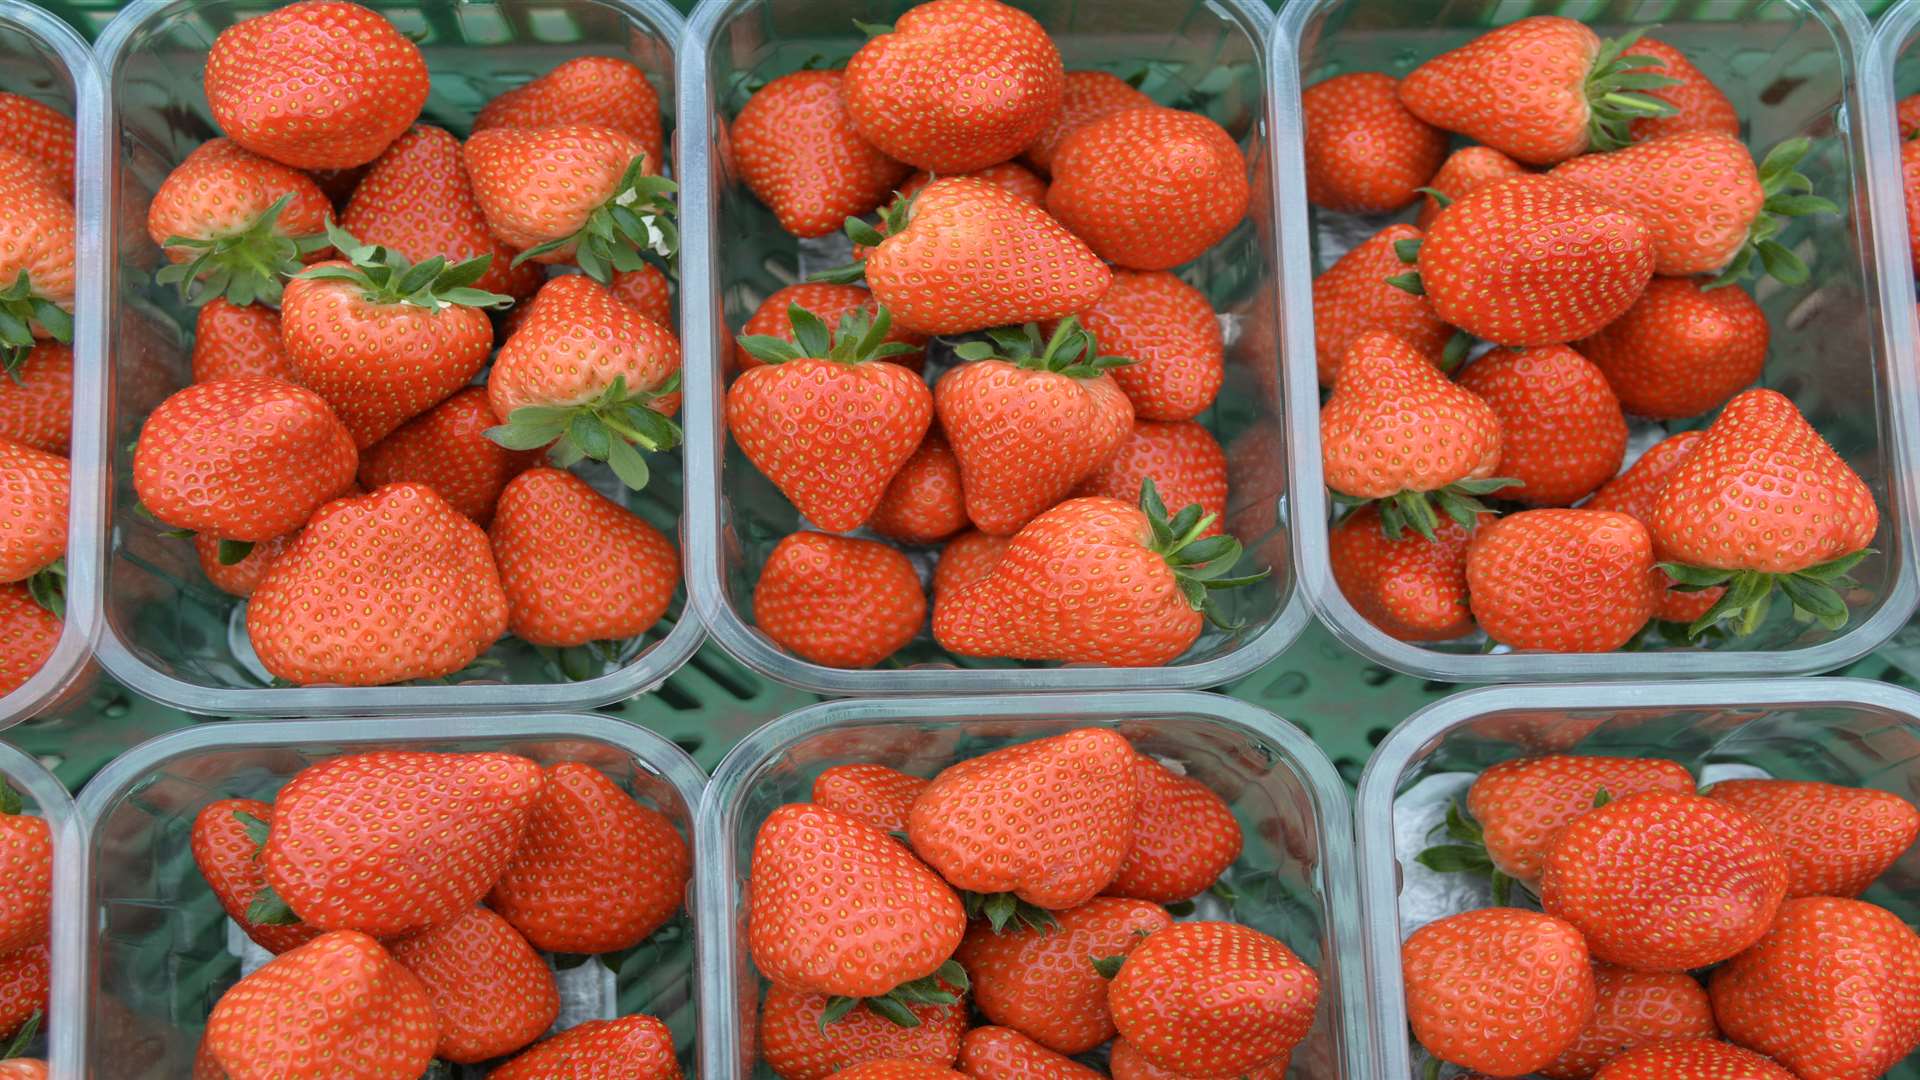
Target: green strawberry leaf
x=20, y=308
x=385, y=277
x=256, y=829
x=233, y=552
x=1108, y=966
x=1613, y=91
x=1455, y=859
x=245, y=266
x=1199, y=565
x=24, y=1037
x=10, y=800
x=267, y=909
x=48, y=588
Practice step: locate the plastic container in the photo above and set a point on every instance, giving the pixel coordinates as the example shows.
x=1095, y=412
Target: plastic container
x=166, y=632
x=1205, y=55
x=151, y=941
x=1842, y=731
x=44, y=797
x=1791, y=68
x=1295, y=878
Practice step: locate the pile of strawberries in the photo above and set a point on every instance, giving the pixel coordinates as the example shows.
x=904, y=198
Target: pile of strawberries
x=1034, y=885
x=1029, y=218
x=26, y=903
x=345, y=455
x=1642, y=885
x=1594, y=236
x=366, y=876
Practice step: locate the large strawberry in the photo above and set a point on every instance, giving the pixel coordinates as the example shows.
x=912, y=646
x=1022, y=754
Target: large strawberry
x=235, y=223
x=1213, y=999
x=1169, y=330
x=1837, y=840
x=1500, y=990
x=1465, y=169
x=1682, y=349
x=997, y=1053
x=1365, y=153
x=632, y=1048
x=797, y=150
x=608, y=210
x=1634, y=1008
x=829, y=303
x=34, y=490
x=606, y=91
x=1698, y=105
x=233, y=342
x=838, y=600
x=36, y=398
x=1150, y=188
x=1562, y=433
x=1088, y=96
x=924, y=502
x=1181, y=457
x=1184, y=837
x=1562, y=580
x=28, y=634
x=36, y=259
x=42, y=133
x=1046, y=982
x=447, y=449
x=878, y=794
x=1692, y=1059
x=26, y=849
x=798, y=1042
x=1634, y=492
x=1410, y=587
x=226, y=840
x=492, y=992
x=1353, y=297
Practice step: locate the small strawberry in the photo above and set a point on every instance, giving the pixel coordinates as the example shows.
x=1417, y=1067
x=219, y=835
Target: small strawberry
x=877, y=794
x=234, y=223
x=647, y=290
x=829, y=303
x=1365, y=153
x=798, y=1042
x=36, y=260
x=1151, y=188
x=1410, y=587
x=1128, y=1063
x=226, y=840
x=631, y=1047
x=1698, y=105
x=1213, y=999
x=1353, y=297
x=1501, y=990
x=838, y=600
x=28, y=633
x=36, y=398
x=1633, y=1009
x=42, y=133
x=1183, y=460
x=897, y=1070
x=924, y=502
x=1464, y=170
x=1837, y=840
x=1010, y=176
x=1046, y=982
x=234, y=342
x=606, y=91
x=966, y=559
x=997, y=1053
x=1170, y=332
x=446, y=448
x=1184, y=837
x=1088, y=96
x=492, y=992
x=24, y=986
x=609, y=208
x=1562, y=580
x=1562, y=433
x=797, y=150
x=1634, y=492
x=246, y=563
x=1692, y=1059
x=33, y=506
x=1681, y=349
x=1048, y=821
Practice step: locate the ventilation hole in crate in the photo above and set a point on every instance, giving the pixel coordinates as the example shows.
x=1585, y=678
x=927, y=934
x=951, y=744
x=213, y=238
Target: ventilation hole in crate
x=1375, y=675
x=1374, y=735
x=1434, y=686
x=675, y=697
x=727, y=674
x=1349, y=769
x=690, y=743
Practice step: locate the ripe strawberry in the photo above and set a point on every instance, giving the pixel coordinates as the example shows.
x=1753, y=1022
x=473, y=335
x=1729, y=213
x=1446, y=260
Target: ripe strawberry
x=955, y=85
x=1692, y=1059
x=386, y=587
x=1698, y=105
x=36, y=259
x=42, y=133
x=1907, y=113
x=23, y=1069
x=1764, y=502
x=1010, y=176
x=648, y=291
x=1501, y=990
x=1149, y=188
x=36, y=398
x=597, y=872
x=1048, y=821
x=1045, y=982
x=1365, y=153
x=242, y=575
x=835, y=906
x=1519, y=806
x=605, y=91
x=609, y=209
x=24, y=976
x=1088, y=96
x=1562, y=433
x=997, y=1053
x=1464, y=170
x=1681, y=349
x=797, y=150
x=1562, y=580
x=1184, y=837
x=1129, y=1064
x=966, y=559
x=1170, y=332
x=631, y=1047
x=1353, y=297
x=1836, y=840
x=227, y=837
x=590, y=376
x=1533, y=260
x=876, y=794
x=338, y=1006
x=924, y=502
x=1634, y=492
x=897, y=1070
x=1256, y=999
x=830, y=303
x=232, y=342
x=1182, y=459
x=33, y=504
x=1410, y=587
x=1832, y=990
x=838, y=600
x=28, y=633
x=234, y=223
x=492, y=992
x=1539, y=90
x=1633, y=1009
x=798, y=1042
x=26, y=849
x=446, y=448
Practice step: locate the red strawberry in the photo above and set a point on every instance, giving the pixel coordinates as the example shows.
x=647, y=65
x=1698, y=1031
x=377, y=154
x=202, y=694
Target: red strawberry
x=577, y=566
x=798, y=1042
x=1410, y=587
x=1681, y=349
x=897, y=1070
x=1365, y=153
x=955, y=85
x=386, y=587
x=42, y=133
x=227, y=837
x=338, y=1006
x=23, y=1069
x=36, y=259
x=1048, y=821
x=1129, y=1064
x=1698, y=105
x=1149, y=188
x=28, y=633
x=996, y=1053
x=1088, y=96
x=632, y=1048
x=876, y=794
x=233, y=342
x=492, y=992
x=1836, y=840
x=36, y=398
x=241, y=576
x=1029, y=420
x=1633, y=1009
x=33, y=510
x=597, y=872
x=1519, y=806
x=1910, y=185
x=1183, y=460
x=1832, y=990
x=838, y=600
x=572, y=220
x=1501, y=990
x=966, y=559
x=24, y=977
x=605, y=91
x=1634, y=492
x=1907, y=112
x=797, y=150
x=318, y=84
x=1464, y=170
x=26, y=848
x=1692, y=1059
x=1170, y=332
x=1044, y=983
x=1184, y=837
x=234, y=223
x=446, y=448
x=1011, y=176
x=1562, y=433
x=1353, y=297
x=924, y=502
x=648, y=291
x=1213, y=999
x=830, y=303
x=1562, y=580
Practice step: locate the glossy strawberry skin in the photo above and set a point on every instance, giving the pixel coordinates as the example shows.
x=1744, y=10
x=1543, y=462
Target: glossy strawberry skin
x=1365, y=153
x=877, y=794
x=798, y=1046
x=36, y=399
x=446, y=448
x=1010, y=176
x=635, y=1047
x=1698, y=104
x=1184, y=837
x=1183, y=460
x=967, y=558
x=1260, y=998
x=1522, y=804
x=924, y=502
x=24, y=979
x=1635, y=492
x=996, y=1053
x=1043, y=983
x=40, y=132
x=1698, y=192
x=1837, y=840
x=830, y=303
x=1562, y=580
x=1411, y=588
x=231, y=342
x=1501, y=990
x=1562, y=433
x=838, y=600
x=1682, y=350
x=28, y=634
x=506, y=164
x=797, y=150
x=1169, y=330
x=1088, y=96
x=575, y=340
x=1353, y=297
x=1397, y=423
x=1150, y=188
x=1464, y=170
x=1692, y=1059
x=1634, y=1008
x=492, y=992
x=1520, y=88
x=605, y=91
x=34, y=495
x=229, y=860
x=243, y=577
x=221, y=188
x=647, y=291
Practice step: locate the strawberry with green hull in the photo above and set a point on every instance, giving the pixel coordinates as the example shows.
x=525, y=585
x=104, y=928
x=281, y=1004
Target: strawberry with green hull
x=446, y=448
x=26, y=849
x=924, y=502
x=1632, y=1009
x=36, y=399
x=1046, y=982
x=1562, y=433
x=237, y=567
x=632, y=1047
x=1183, y=460
x=1213, y=999
x=1698, y=105
x=492, y=992
x=1184, y=837
x=234, y=224
x=1683, y=349
x=1087, y=96
x=877, y=794
x=605, y=91
x=840, y=601
x=235, y=342
x=797, y=150
x=36, y=260
x=1169, y=330
x=34, y=493
x=1562, y=580
x=1500, y=990
x=226, y=840
x=28, y=634
x=829, y=303
x=997, y=1053
x=40, y=132
x=1464, y=170
x=1151, y=188
x=1836, y=840
x=798, y=1043
x=1365, y=153
x=1354, y=296
x=1634, y=492
x=1409, y=587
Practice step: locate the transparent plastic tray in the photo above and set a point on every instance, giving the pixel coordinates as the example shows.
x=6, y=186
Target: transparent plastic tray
x=1295, y=878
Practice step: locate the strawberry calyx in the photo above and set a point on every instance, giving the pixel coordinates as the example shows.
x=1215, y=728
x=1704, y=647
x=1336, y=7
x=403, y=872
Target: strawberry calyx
x=10, y=801
x=1199, y=565
x=48, y=588
x=266, y=908
x=858, y=339
x=1467, y=854
x=893, y=218
x=635, y=226
x=1458, y=500
x=20, y=309
x=384, y=276
x=244, y=266
x=1004, y=909
x=1108, y=966
x=1788, y=195
x=1815, y=593
x=944, y=987
x=612, y=427
x=1614, y=100
x=1071, y=350
x=24, y=1037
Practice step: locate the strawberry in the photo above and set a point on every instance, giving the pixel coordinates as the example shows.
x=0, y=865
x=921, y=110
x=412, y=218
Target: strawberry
x=23, y=1069
x=997, y=1053
x=40, y=132
x=33, y=504
x=446, y=448
x=837, y=600
x=384, y=340
x=338, y=1006
x=234, y=223
x=1464, y=170
x=829, y=303
x=1910, y=186
x=36, y=398
x=1046, y=982
x=1365, y=153
x=1149, y=188
x=319, y=84
x=1532, y=260
x=1698, y=105
x=416, y=202
x=26, y=848
x=238, y=576
x=590, y=376
x=631, y=1047
x=967, y=558
x=1047, y=821
x=1837, y=840
x=1087, y=96
x=1681, y=349
x=234, y=342
x=1562, y=580
x=1353, y=297
x=1664, y=881
x=877, y=794
x=955, y=85
x=36, y=260
x=597, y=872
x=835, y=906
x=1634, y=492
x=1501, y=990
x=797, y=150
x=609, y=209
x=205, y=1065
x=577, y=566
x=1184, y=837
x=1410, y=587
x=647, y=290
x=492, y=992
x=897, y=1070
x=1762, y=503
x=1213, y=999
x=1907, y=113
x=1539, y=90
x=1708, y=208
x=1010, y=176
x=798, y=1042
x=24, y=976
x=605, y=91
x=1562, y=433
x=1635, y=1008
x=1692, y=1059
x=1029, y=420
x=1832, y=990
x=28, y=633
x=1183, y=460
x=1129, y=1064
x=924, y=502
x=1168, y=329
x=227, y=837
x=378, y=589
x=833, y=472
